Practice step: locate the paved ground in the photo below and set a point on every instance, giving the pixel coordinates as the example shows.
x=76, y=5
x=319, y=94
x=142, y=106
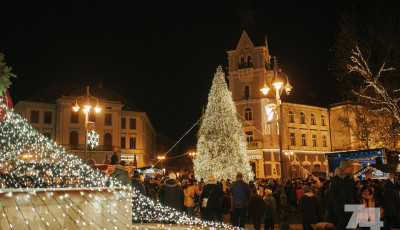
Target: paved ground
x=294, y=220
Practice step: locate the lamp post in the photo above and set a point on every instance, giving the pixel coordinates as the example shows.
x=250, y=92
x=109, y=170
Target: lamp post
x=161, y=158
x=86, y=109
x=192, y=154
x=289, y=154
x=278, y=84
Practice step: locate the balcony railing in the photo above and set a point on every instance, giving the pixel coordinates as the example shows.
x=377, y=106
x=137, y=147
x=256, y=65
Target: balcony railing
x=82, y=147
x=254, y=144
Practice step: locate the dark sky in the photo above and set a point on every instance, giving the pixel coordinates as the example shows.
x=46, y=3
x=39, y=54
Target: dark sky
x=162, y=55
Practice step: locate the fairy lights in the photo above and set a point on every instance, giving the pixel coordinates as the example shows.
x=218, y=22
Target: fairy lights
x=93, y=139
x=222, y=143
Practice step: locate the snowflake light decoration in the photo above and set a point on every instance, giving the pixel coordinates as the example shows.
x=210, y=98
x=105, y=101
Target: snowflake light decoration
x=93, y=139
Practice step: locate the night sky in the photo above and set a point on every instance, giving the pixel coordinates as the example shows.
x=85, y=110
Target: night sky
x=163, y=55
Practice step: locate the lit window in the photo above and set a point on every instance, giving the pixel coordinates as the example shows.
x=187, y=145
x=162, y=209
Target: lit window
x=302, y=118
x=291, y=117
x=303, y=140
x=248, y=114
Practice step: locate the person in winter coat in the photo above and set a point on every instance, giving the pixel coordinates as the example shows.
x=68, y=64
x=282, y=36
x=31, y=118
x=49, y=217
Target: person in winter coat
x=308, y=208
x=241, y=193
x=213, y=194
x=121, y=173
x=391, y=203
x=138, y=184
x=256, y=208
x=190, y=192
x=269, y=210
x=171, y=193
x=369, y=200
x=341, y=193
x=226, y=204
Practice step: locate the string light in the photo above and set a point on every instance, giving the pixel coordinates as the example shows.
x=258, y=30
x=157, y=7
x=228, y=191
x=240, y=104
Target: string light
x=222, y=142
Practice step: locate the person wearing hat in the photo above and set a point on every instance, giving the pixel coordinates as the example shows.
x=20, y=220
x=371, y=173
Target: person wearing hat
x=171, y=193
x=269, y=210
x=340, y=193
x=241, y=193
x=210, y=200
x=308, y=208
x=190, y=192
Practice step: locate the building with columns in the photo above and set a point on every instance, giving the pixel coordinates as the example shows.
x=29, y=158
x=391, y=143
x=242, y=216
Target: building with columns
x=123, y=128
x=305, y=128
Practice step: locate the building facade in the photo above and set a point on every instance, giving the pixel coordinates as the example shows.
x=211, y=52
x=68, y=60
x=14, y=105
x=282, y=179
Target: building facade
x=123, y=128
x=305, y=128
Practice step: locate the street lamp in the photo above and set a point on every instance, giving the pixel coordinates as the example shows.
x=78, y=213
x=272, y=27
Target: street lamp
x=192, y=154
x=161, y=158
x=279, y=84
x=289, y=154
x=86, y=109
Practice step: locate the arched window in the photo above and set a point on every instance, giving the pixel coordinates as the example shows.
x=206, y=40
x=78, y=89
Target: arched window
x=73, y=139
x=91, y=161
x=317, y=168
x=302, y=118
x=322, y=120
x=248, y=114
x=291, y=117
x=249, y=61
x=247, y=92
x=107, y=141
x=242, y=60
x=312, y=119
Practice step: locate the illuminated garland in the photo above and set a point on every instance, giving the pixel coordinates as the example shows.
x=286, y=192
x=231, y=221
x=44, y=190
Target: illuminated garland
x=93, y=139
x=32, y=163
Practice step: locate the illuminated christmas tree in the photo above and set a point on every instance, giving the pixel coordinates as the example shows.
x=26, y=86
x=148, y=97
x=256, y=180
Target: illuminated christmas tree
x=222, y=143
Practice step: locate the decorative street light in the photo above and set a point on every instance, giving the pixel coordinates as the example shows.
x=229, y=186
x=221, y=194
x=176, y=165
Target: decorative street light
x=161, y=158
x=290, y=154
x=192, y=154
x=88, y=99
x=279, y=84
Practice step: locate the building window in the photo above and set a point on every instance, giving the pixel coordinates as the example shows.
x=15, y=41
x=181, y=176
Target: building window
x=123, y=142
x=248, y=114
x=246, y=92
x=314, y=140
x=292, y=139
x=132, y=143
x=312, y=119
x=73, y=139
x=132, y=123
x=123, y=123
x=92, y=117
x=268, y=129
x=107, y=142
x=47, y=117
x=291, y=117
x=249, y=136
x=108, y=119
x=34, y=116
x=74, y=117
x=303, y=140
x=302, y=118
x=324, y=141
x=322, y=120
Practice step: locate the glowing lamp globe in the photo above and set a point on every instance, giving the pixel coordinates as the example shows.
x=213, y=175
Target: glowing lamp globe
x=97, y=109
x=265, y=89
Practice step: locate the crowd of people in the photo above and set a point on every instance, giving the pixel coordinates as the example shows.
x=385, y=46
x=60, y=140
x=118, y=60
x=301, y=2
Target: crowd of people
x=315, y=199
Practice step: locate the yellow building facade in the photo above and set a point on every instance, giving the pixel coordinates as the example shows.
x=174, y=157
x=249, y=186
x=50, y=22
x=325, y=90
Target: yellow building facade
x=305, y=128
x=123, y=129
